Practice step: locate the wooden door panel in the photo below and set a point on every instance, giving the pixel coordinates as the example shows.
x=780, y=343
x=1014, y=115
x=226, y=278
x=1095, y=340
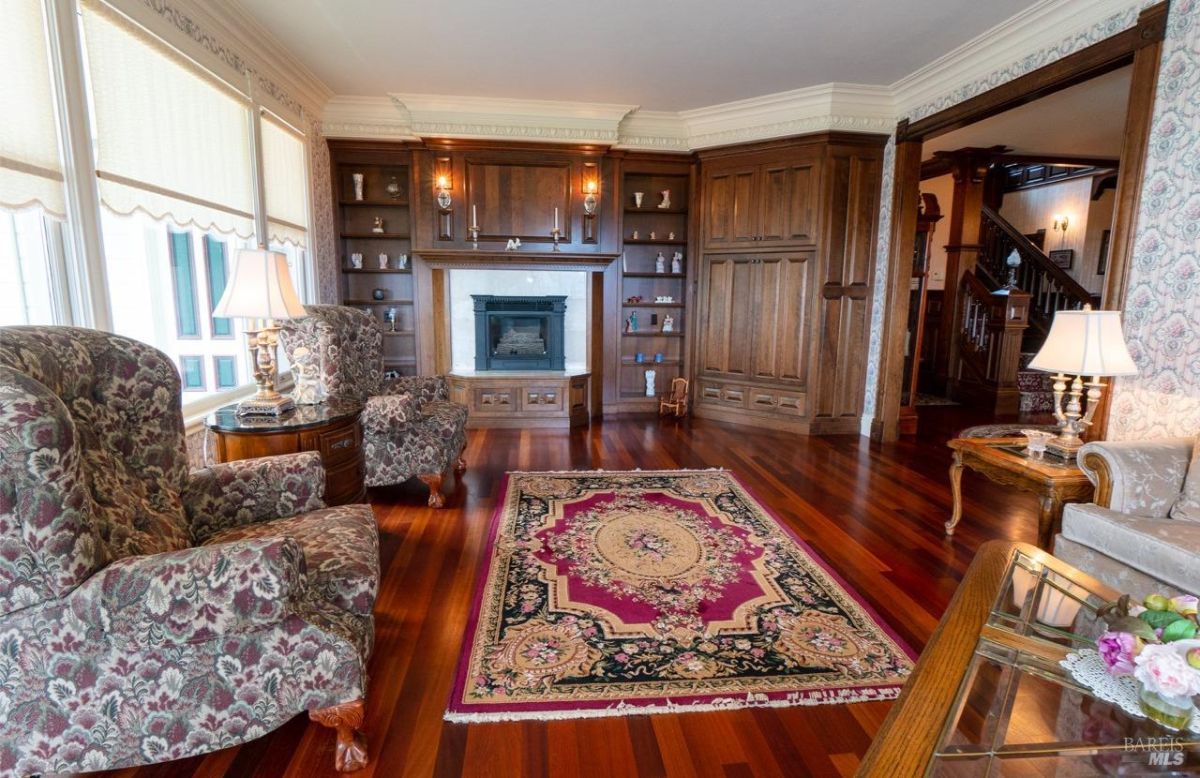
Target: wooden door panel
x=788, y=204
x=768, y=304
x=782, y=339
x=730, y=219
x=517, y=200
x=726, y=332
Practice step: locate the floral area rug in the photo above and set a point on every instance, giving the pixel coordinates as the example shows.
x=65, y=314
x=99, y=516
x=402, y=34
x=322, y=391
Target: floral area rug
x=610, y=593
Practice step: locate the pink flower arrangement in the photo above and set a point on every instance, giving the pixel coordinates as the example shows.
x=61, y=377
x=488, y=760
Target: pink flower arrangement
x=1164, y=669
x=1155, y=642
x=1118, y=649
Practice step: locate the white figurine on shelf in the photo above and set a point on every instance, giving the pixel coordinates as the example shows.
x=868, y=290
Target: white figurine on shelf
x=660, y=263
x=634, y=236
x=637, y=199
x=383, y=260
x=402, y=264
x=677, y=262
x=309, y=387
x=649, y=383
x=653, y=235
x=670, y=236
x=356, y=261
x=358, y=186
x=668, y=324
x=389, y=316
x=666, y=198
x=378, y=227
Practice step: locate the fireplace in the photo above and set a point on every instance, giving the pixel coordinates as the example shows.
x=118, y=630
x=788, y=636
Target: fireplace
x=519, y=333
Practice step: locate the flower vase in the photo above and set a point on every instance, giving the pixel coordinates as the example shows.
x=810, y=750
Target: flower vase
x=1174, y=713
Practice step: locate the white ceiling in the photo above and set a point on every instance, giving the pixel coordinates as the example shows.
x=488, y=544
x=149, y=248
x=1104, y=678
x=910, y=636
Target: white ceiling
x=1086, y=120
x=663, y=55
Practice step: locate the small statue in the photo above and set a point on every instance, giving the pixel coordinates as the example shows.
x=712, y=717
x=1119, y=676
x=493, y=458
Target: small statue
x=634, y=236
x=650, y=383
x=309, y=387
x=378, y=224
x=389, y=316
x=637, y=199
x=356, y=261
x=668, y=323
x=666, y=199
x=358, y=186
x=402, y=264
x=677, y=262
x=671, y=236
x=631, y=324
x=660, y=263
x=653, y=235
x=383, y=260
x=393, y=188
x=513, y=244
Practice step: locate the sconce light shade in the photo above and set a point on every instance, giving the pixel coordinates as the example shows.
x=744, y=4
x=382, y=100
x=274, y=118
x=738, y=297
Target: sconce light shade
x=1085, y=343
x=260, y=287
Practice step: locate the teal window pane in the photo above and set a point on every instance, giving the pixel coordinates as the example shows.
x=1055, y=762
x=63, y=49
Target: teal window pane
x=226, y=372
x=184, y=277
x=192, y=371
x=218, y=277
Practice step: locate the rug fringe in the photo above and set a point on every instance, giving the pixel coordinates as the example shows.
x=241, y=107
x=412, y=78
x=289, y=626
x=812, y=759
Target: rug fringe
x=792, y=699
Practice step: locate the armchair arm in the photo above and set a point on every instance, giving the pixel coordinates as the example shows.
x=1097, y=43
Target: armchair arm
x=1142, y=477
x=385, y=413
x=252, y=490
x=195, y=594
x=426, y=389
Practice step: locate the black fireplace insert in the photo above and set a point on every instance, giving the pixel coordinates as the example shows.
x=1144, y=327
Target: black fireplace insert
x=519, y=333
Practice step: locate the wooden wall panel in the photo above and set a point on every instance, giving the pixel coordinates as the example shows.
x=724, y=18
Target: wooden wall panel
x=517, y=200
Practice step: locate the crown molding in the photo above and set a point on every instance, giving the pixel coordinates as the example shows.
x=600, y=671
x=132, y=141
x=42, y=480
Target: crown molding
x=1051, y=28
x=488, y=117
x=365, y=117
x=653, y=131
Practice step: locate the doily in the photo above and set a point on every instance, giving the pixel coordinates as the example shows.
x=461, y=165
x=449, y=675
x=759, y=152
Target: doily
x=1086, y=667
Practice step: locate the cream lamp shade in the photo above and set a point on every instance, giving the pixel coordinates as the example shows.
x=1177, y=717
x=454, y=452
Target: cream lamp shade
x=1085, y=343
x=260, y=287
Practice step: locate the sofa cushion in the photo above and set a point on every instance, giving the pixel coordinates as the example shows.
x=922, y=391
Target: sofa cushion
x=1166, y=549
x=341, y=551
x=1187, y=507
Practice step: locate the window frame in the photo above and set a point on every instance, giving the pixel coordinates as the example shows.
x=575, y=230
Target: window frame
x=183, y=371
x=214, y=295
x=217, y=360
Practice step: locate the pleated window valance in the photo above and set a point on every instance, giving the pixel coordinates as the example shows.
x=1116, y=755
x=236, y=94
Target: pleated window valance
x=30, y=164
x=285, y=182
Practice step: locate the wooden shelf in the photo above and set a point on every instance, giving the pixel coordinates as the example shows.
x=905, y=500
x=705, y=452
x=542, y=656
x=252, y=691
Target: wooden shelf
x=655, y=334
x=666, y=362
x=655, y=275
x=377, y=235
x=389, y=203
x=652, y=305
x=678, y=211
x=399, y=360
x=654, y=242
x=399, y=333
x=364, y=271
x=376, y=302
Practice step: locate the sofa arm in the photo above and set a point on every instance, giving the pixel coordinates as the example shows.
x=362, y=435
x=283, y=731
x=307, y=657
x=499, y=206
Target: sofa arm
x=196, y=594
x=424, y=388
x=1142, y=477
x=252, y=490
x=384, y=414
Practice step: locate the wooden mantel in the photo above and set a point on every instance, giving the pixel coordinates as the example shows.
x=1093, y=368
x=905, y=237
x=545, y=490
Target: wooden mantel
x=516, y=260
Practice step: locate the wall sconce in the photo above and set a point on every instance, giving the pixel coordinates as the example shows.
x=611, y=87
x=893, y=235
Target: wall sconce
x=1061, y=221
x=590, y=188
x=443, y=192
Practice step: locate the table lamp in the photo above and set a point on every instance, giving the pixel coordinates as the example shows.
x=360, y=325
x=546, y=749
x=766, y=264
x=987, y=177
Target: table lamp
x=1081, y=343
x=260, y=287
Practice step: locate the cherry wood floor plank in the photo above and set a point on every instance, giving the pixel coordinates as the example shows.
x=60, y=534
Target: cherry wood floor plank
x=873, y=513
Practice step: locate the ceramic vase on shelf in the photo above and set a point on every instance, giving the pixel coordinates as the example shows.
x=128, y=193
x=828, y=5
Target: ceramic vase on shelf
x=356, y=261
x=358, y=186
x=660, y=263
x=666, y=199
x=677, y=262
x=650, y=374
x=393, y=188
x=637, y=199
x=383, y=261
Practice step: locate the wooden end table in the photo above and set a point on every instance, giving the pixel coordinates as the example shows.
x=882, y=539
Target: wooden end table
x=332, y=429
x=1003, y=461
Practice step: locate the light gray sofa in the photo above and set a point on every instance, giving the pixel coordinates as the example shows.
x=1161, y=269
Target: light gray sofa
x=1142, y=533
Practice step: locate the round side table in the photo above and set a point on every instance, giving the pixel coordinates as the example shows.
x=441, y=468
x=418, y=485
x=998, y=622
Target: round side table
x=332, y=429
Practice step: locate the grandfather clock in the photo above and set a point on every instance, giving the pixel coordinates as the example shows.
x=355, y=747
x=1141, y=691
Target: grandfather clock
x=928, y=215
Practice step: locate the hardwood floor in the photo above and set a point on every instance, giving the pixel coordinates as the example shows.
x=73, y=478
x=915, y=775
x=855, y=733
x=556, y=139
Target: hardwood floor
x=874, y=513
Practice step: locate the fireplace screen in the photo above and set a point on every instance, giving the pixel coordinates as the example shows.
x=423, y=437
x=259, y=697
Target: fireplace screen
x=519, y=333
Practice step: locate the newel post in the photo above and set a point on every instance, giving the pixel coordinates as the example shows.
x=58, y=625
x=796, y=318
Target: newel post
x=1008, y=316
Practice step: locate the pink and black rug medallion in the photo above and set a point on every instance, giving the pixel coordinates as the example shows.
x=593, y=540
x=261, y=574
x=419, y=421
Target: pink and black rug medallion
x=609, y=593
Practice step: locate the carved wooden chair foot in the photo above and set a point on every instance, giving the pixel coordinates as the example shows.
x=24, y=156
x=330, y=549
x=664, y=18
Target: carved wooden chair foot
x=460, y=466
x=346, y=718
x=434, y=482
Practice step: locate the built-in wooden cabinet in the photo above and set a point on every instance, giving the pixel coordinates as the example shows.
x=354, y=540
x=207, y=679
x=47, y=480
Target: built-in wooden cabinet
x=762, y=202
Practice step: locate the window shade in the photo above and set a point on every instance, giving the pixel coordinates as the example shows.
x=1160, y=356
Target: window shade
x=30, y=163
x=285, y=183
x=170, y=140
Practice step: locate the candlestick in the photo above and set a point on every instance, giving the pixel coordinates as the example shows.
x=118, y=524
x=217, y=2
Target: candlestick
x=474, y=217
x=556, y=218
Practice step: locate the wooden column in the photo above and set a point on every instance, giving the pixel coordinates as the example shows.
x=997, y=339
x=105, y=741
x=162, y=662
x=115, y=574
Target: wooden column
x=969, y=166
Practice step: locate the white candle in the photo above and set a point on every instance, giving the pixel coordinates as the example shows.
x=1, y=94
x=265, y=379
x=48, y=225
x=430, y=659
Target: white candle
x=556, y=218
x=474, y=218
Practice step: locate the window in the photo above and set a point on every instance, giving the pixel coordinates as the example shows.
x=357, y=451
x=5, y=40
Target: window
x=187, y=321
x=218, y=276
x=191, y=369
x=225, y=370
x=32, y=197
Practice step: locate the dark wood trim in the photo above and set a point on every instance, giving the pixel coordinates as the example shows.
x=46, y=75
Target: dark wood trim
x=829, y=137
x=1062, y=160
x=1099, y=58
x=1140, y=45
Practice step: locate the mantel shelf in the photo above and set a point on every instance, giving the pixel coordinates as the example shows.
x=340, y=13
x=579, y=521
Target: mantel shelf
x=655, y=275
x=389, y=203
x=651, y=305
x=450, y=258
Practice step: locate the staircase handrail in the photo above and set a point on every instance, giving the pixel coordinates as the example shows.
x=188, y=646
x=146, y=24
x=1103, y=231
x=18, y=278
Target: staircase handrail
x=1028, y=250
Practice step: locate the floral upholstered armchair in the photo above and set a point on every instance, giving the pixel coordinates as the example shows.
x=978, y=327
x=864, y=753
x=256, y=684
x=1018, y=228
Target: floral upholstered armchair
x=410, y=427
x=148, y=613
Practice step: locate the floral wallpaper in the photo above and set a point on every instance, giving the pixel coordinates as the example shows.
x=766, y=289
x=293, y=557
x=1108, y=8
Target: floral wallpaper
x=1162, y=308
x=1157, y=346
x=324, y=245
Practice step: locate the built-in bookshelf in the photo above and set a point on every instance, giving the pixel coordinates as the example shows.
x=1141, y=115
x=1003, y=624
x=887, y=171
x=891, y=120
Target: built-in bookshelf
x=652, y=290
x=384, y=196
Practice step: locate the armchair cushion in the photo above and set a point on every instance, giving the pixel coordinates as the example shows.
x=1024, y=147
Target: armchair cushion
x=196, y=594
x=340, y=547
x=384, y=414
x=427, y=445
x=1166, y=549
x=1187, y=507
x=248, y=491
x=425, y=389
x=1147, y=475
